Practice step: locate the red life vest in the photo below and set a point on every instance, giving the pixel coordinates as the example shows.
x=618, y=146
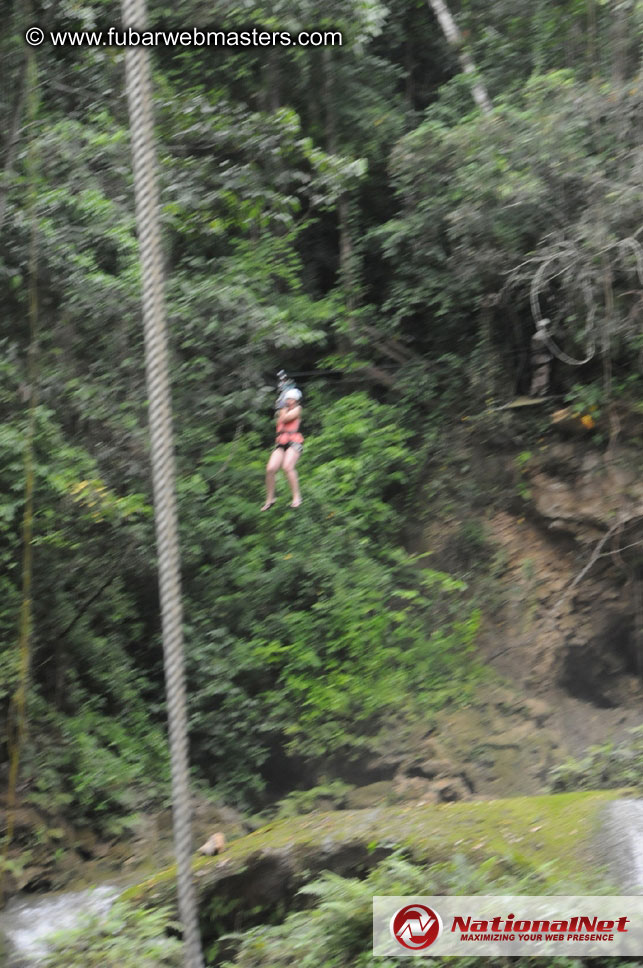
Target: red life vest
x=288, y=431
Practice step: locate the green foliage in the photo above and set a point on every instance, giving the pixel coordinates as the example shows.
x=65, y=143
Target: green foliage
x=523, y=458
x=93, y=747
x=587, y=398
x=11, y=504
x=604, y=767
x=328, y=796
x=488, y=205
x=336, y=931
x=321, y=631
x=127, y=937
x=328, y=926
x=512, y=42
x=100, y=770
x=318, y=205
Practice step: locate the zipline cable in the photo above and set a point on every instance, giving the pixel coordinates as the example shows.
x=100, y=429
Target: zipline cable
x=139, y=96
x=391, y=367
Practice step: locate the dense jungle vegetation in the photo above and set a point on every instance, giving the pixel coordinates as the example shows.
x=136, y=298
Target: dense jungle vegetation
x=348, y=213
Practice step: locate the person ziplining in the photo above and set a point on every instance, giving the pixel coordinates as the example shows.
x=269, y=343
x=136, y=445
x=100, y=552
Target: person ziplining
x=289, y=444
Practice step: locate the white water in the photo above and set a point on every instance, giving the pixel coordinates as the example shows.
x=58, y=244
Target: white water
x=624, y=839
x=27, y=921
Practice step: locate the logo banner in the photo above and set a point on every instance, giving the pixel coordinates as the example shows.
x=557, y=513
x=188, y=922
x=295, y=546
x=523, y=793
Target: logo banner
x=508, y=925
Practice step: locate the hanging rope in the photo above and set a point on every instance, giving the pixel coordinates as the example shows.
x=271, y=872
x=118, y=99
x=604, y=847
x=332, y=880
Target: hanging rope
x=623, y=246
x=17, y=725
x=538, y=319
x=139, y=95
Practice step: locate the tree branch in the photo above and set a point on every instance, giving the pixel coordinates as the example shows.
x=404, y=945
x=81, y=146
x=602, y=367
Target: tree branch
x=598, y=553
x=456, y=40
x=595, y=555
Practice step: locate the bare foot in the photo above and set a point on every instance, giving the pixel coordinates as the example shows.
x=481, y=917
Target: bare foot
x=295, y=504
x=267, y=505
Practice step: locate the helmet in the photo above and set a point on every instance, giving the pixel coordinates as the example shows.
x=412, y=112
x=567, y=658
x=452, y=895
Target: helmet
x=292, y=393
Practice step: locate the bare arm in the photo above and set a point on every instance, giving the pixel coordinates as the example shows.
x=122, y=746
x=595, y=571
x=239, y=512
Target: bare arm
x=292, y=414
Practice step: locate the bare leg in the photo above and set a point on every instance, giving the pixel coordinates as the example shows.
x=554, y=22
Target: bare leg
x=290, y=459
x=275, y=462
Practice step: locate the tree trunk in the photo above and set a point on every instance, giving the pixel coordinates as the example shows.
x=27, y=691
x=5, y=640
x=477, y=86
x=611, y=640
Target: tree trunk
x=454, y=37
x=12, y=143
x=346, y=252
x=619, y=44
x=271, y=98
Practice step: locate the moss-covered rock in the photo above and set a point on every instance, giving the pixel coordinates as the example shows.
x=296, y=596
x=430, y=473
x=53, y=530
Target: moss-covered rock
x=557, y=834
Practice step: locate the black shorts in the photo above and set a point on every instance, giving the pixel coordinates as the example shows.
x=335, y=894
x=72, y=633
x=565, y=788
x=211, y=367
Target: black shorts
x=294, y=444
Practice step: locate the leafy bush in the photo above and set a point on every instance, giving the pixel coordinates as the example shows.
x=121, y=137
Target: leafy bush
x=330, y=796
x=490, y=205
x=307, y=632
x=127, y=937
x=97, y=770
x=608, y=766
x=335, y=931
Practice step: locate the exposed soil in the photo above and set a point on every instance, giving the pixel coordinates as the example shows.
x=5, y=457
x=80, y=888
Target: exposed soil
x=568, y=645
x=560, y=627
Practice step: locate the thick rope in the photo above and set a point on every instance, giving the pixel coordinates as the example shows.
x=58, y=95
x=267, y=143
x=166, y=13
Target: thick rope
x=139, y=95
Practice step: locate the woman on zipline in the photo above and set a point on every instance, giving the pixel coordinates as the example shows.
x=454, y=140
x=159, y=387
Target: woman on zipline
x=289, y=444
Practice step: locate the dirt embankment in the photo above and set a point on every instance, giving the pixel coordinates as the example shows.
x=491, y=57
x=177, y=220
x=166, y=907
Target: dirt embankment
x=563, y=613
x=573, y=577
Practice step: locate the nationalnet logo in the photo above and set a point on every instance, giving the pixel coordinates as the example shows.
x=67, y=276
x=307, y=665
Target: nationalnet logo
x=508, y=925
x=540, y=929
x=416, y=926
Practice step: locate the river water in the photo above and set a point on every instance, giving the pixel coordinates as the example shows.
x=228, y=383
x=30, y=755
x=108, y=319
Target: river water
x=27, y=921
x=623, y=831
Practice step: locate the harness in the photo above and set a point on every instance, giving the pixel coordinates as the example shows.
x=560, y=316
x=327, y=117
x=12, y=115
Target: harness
x=286, y=435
